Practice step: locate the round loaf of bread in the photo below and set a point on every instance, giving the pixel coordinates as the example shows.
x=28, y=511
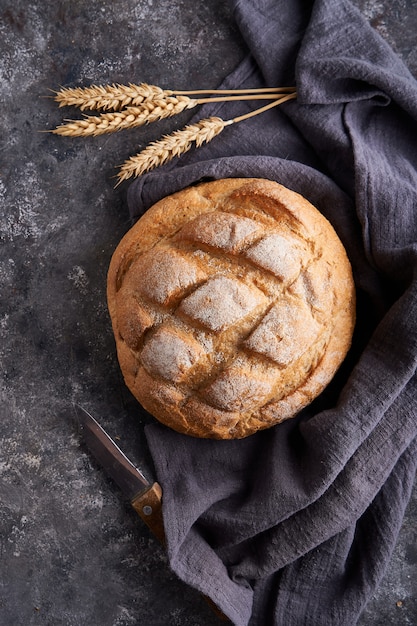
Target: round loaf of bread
x=232, y=304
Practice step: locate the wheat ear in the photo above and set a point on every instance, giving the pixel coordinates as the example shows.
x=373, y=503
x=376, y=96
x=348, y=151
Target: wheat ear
x=131, y=117
x=117, y=96
x=180, y=141
x=107, y=97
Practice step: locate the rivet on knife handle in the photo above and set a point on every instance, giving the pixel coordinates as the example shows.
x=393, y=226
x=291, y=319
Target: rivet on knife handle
x=148, y=506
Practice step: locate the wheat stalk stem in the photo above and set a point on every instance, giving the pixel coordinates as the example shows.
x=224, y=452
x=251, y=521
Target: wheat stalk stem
x=257, y=96
x=267, y=90
x=246, y=116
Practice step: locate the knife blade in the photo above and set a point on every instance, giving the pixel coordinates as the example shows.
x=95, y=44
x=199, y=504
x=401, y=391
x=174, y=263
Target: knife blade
x=144, y=496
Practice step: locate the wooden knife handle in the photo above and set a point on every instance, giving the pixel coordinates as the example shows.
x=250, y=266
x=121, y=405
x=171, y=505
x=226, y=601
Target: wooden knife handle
x=149, y=507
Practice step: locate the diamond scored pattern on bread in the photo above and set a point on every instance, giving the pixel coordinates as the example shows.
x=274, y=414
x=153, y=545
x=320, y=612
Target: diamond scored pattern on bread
x=232, y=304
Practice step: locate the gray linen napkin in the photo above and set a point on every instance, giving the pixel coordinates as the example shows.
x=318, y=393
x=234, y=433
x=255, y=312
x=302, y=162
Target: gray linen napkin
x=295, y=525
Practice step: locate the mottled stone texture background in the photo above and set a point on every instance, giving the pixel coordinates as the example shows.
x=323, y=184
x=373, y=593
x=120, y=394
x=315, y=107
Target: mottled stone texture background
x=72, y=551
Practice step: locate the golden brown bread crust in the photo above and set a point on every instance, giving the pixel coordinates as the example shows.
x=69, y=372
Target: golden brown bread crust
x=232, y=304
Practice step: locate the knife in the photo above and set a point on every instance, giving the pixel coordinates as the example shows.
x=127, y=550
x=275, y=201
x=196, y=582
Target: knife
x=144, y=496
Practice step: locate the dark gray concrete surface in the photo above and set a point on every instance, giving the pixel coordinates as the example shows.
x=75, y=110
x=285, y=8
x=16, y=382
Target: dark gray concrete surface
x=72, y=551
